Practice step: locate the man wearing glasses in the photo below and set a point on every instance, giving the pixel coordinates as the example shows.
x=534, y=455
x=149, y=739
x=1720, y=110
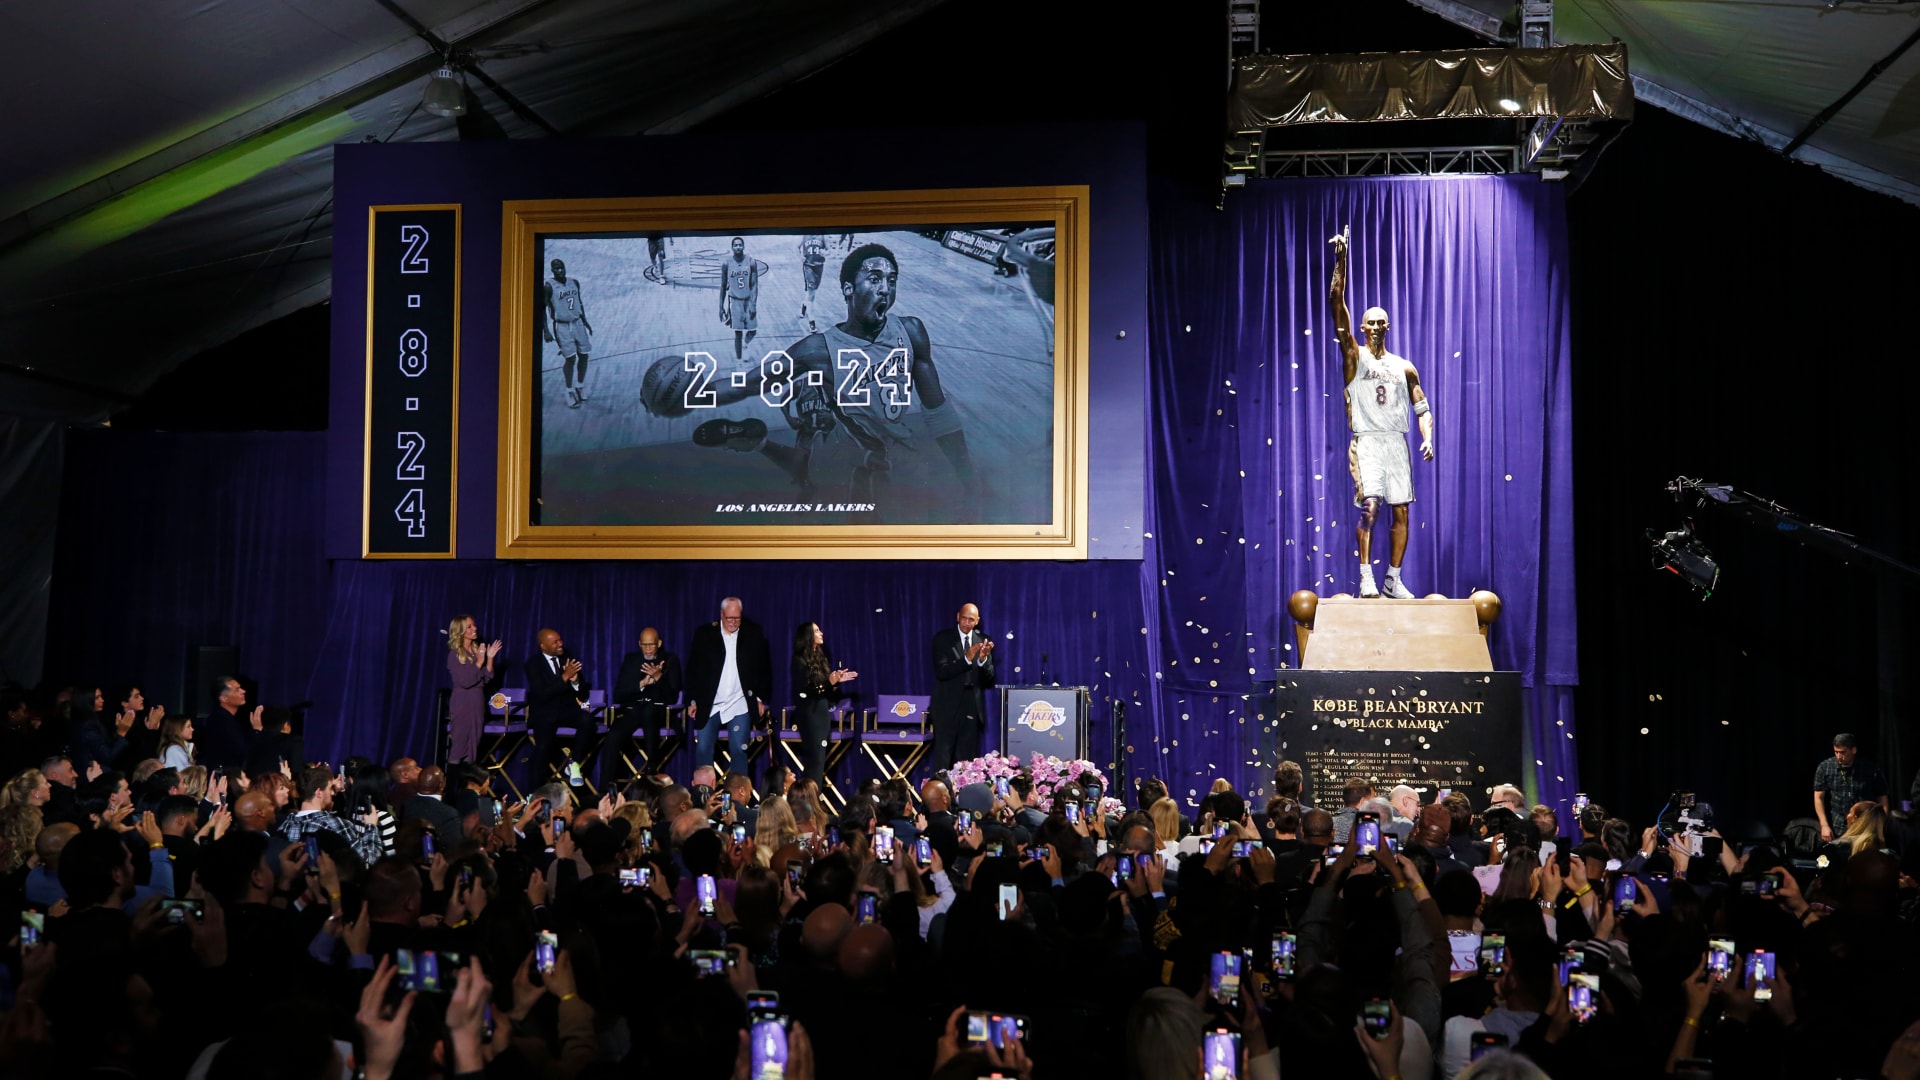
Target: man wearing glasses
x=730, y=680
x=648, y=685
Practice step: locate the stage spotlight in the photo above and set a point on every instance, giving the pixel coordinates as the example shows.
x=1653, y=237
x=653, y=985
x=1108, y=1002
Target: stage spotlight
x=1683, y=553
x=446, y=95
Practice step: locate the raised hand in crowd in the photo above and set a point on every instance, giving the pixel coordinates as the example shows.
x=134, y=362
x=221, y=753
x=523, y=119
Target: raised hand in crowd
x=383, y=1030
x=465, y=1018
x=1383, y=1055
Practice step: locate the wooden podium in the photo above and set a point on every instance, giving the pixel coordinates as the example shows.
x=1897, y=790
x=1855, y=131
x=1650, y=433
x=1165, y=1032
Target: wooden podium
x=1343, y=633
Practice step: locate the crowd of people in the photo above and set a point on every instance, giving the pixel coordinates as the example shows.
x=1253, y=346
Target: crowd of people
x=285, y=918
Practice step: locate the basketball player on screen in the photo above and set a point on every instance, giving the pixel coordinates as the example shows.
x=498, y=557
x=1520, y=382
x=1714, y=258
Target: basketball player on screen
x=740, y=295
x=813, y=263
x=1379, y=388
x=567, y=323
x=868, y=397
x=656, y=258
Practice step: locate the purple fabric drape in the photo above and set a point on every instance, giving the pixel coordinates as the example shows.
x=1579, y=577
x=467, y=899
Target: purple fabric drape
x=383, y=657
x=1248, y=500
x=173, y=540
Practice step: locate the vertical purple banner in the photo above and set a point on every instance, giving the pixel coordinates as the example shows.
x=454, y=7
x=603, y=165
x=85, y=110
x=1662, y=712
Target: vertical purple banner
x=413, y=381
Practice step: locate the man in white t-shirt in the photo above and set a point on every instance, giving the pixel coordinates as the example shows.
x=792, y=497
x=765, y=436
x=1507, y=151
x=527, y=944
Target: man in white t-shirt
x=729, y=680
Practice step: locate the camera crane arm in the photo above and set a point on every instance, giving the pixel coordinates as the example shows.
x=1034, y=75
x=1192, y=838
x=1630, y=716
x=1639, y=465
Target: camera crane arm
x=1770, y=515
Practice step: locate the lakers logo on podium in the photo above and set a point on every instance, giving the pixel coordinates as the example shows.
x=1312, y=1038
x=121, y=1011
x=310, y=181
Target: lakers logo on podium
x=1042, y=717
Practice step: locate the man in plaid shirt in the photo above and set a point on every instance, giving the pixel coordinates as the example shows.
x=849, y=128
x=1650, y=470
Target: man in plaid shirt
x=316, y=815
x=1841, y=781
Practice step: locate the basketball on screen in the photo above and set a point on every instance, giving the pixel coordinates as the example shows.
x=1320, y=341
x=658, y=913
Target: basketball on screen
x=663, y=390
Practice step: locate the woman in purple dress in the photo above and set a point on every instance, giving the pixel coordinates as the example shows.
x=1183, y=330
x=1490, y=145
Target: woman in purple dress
x=471, y=665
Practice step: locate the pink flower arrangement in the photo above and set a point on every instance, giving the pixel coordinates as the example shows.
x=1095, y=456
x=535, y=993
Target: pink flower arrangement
x=1047, y=772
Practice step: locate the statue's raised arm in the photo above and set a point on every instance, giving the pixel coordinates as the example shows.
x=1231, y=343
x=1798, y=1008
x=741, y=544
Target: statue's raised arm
x=1337, y=297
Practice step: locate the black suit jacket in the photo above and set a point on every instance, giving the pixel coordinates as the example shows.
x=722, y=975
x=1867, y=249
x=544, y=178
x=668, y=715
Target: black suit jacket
x=707, y=657
x=185, y=853
x=627, y=691
x=223, y=738
x=805, y=689
x=959, y=691
x=480, y=804
x=444, y=819
x=551, y=701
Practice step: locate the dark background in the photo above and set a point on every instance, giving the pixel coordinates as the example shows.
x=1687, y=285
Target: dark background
x=1736, y=316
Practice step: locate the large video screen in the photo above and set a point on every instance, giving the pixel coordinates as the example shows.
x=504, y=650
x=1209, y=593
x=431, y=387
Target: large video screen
x=802, y=373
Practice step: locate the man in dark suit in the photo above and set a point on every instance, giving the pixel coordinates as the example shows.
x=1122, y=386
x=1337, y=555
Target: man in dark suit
x=1293, y=863
x=429, y=805
x=963, y=668
x=556, y=697
x=648, y=685
x=1432, y=832
x=937, y=798
x=226, y=734
x=729, y=680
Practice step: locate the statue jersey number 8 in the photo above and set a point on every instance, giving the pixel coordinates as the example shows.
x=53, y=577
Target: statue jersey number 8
x=1378, y=399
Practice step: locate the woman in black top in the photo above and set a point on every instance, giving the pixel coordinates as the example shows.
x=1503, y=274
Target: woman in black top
x=816, y=686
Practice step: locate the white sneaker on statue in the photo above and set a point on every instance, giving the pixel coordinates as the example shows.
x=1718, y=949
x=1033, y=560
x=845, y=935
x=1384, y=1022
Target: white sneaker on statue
x=1368, y=590
x=1395, y=589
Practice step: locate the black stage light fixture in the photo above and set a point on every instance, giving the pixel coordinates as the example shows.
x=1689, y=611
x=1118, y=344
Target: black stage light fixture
x=1681, y=552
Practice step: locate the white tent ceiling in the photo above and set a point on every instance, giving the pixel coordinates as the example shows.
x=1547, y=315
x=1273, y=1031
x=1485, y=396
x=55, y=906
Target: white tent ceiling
x=1763, y=70
x=165, y=179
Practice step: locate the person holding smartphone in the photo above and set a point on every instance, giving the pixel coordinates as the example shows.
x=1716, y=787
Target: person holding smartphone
x=1381, y=1032
x=702, y=854
x=1521, y=994
x=317, y=814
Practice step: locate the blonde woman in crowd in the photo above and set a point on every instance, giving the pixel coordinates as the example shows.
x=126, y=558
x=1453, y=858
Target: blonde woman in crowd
x=773, y=830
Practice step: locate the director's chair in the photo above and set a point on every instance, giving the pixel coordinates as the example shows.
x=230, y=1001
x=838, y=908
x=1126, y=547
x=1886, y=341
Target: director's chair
x=897, y=726
x=504, y=733
x=842, y=735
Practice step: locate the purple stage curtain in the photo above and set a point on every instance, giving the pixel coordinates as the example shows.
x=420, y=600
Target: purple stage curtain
x=382, y=659
x=173, y=540
x=215, y=538
x=1253, y=498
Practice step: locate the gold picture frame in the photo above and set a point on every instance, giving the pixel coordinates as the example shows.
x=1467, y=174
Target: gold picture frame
x=528, y=225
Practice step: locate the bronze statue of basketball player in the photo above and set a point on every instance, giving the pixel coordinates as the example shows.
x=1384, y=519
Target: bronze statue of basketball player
x=1379, y=389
